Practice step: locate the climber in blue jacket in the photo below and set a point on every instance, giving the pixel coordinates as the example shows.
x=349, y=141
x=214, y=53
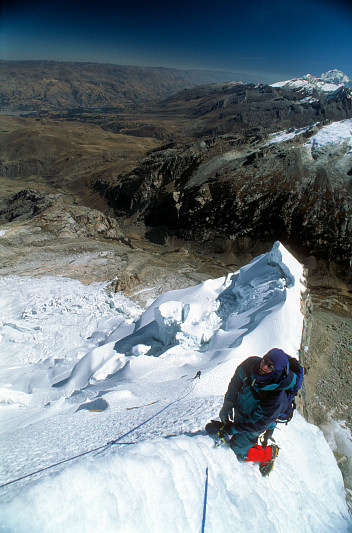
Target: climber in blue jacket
x=260, y=390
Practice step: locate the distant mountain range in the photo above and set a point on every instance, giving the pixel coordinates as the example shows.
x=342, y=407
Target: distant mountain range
x=52, y=85
x=47, y=86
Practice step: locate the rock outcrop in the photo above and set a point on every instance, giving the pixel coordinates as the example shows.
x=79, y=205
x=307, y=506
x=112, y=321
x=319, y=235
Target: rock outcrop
x=52, y=214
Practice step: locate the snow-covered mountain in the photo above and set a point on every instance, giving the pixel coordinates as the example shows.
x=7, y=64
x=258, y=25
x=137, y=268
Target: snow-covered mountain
x=326, y=83
x=337, y=77
x=81, y=368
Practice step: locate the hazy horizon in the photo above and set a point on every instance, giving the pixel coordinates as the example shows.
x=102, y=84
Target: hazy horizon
x=269, y=39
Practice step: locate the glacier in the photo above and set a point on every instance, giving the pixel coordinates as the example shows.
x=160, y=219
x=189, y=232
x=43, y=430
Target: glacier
x=90, y=375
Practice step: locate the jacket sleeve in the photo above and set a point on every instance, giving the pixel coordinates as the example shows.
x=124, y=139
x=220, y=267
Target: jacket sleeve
x=235, y=385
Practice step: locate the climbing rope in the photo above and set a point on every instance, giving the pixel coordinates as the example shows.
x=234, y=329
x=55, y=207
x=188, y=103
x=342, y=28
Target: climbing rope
x=110, y=443
x=53, y=465
x=205, y=499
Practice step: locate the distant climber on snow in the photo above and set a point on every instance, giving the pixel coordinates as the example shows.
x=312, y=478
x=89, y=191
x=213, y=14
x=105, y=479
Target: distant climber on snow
x=260, y=394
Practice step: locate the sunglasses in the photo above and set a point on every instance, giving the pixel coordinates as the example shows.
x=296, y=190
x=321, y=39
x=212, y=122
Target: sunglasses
x=268, y=363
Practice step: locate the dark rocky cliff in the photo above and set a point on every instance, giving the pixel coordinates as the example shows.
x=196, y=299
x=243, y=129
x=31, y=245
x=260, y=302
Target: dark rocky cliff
x=220, y=174
x=243, y=187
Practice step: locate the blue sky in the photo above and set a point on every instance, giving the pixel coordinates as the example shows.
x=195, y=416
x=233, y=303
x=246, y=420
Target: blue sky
x=271, y=39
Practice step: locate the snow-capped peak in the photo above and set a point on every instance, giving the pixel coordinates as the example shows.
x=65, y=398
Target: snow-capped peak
x=336, y=76
x=328, y=82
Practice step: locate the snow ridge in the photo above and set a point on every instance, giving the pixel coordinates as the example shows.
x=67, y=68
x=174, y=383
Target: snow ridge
x=141, y=367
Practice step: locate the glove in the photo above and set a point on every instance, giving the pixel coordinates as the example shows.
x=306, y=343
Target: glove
x=226, y=411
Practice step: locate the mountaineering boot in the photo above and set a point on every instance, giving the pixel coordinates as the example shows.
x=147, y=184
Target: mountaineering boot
x=217, y=430
x=266, y=468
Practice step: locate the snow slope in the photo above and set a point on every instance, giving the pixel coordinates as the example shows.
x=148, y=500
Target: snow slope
x=333, y=134
x=288, y=135
x=81, y=368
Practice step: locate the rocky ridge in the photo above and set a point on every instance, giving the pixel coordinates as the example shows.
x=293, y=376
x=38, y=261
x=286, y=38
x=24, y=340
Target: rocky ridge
x=224, y=108
x=241, y=175
x=246, y=186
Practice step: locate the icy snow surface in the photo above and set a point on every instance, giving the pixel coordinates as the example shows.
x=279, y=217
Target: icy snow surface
x=335, y=133
x=80, y=368
x=288, y=135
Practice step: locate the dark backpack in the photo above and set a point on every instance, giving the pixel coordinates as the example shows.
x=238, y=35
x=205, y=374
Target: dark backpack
x=286, y=416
